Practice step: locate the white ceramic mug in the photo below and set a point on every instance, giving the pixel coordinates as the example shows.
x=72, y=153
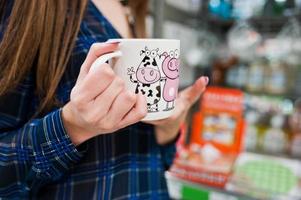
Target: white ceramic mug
x=149, y=67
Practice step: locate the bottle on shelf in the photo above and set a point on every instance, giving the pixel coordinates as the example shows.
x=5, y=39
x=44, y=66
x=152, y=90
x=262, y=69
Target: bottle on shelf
x=297, y=83
x=251, y=134
x=275, y=81
x=274, y=139
x=256, y=74
x=242, y=74
x=295, y=126
x=296, y=145
x=231, y=76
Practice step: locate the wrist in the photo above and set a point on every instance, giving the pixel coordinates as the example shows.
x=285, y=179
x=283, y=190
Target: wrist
x=76, y=133
x=164, y=135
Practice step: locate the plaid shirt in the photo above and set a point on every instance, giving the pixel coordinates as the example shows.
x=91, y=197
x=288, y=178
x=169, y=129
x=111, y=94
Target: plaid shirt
x=38, y=160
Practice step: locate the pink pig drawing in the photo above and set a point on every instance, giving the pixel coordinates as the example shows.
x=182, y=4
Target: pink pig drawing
x=170, y=67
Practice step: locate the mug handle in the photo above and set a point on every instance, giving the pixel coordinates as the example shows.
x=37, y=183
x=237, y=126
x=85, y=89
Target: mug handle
x=104, y=58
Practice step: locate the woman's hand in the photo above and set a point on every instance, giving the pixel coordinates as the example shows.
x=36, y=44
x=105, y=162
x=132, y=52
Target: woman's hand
x=99, y=103
x=167, y=129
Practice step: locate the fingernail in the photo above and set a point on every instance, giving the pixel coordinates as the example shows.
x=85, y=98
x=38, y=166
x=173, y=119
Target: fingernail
x=206, y=79
x=113, y=41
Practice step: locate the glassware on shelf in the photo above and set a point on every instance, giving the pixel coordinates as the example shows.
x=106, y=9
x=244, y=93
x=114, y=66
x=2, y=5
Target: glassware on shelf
x=296, y=145
x=289, y=39
x=256, y=75
x=296, y=84
x=237, y=76
x=247, y=8
x=275, y=81
x=274, y=139
x=251, y=133
x=203, y=52
x=295, y=125
x=221, y=8
x=243, y=41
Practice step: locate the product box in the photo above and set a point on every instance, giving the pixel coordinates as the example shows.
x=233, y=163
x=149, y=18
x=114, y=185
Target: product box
x=215, y=140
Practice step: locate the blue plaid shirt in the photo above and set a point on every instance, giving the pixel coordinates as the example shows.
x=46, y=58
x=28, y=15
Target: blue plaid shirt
x=38, y=160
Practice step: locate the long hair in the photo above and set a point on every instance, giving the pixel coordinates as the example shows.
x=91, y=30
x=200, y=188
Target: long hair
x=139, y=10
x=40, y=35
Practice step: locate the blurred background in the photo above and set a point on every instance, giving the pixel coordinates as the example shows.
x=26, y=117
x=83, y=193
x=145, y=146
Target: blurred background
x=248, y=147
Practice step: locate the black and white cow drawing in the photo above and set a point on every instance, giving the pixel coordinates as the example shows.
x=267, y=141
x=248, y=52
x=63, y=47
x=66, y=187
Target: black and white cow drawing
x=148, y=78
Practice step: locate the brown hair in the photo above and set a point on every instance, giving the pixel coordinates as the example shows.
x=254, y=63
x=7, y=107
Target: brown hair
x=39, y=36
x=139, y=10
x=42, y=32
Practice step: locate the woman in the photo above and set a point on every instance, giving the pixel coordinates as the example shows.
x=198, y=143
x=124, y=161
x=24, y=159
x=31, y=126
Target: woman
x=66, y=133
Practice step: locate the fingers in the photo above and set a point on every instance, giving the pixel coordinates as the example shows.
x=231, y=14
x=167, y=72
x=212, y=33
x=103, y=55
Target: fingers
x=96, y=50
x=97, y=82
x=117, y=112
x=104, y=102
x=178, y=115
x=180, y=111
x=183, y=103
x=137, y=113
x=193, y=92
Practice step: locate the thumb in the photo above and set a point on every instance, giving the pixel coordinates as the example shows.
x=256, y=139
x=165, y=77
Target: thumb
x=193, y=92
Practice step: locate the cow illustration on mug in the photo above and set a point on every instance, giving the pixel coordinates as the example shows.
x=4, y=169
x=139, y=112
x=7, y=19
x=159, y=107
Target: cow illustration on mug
x=148, y=78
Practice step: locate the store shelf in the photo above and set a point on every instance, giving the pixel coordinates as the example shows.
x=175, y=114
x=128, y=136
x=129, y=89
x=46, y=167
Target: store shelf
x=264, y=24
x=254, y=176
x=267, y=26
x=172, y=13
x=193, y=17
x=181, y=189
x=279, y=155
x=227, y=23
x=287, y=95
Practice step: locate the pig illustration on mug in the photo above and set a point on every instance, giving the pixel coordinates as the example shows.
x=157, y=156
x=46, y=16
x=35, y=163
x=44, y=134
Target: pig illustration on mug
x=170, y=68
